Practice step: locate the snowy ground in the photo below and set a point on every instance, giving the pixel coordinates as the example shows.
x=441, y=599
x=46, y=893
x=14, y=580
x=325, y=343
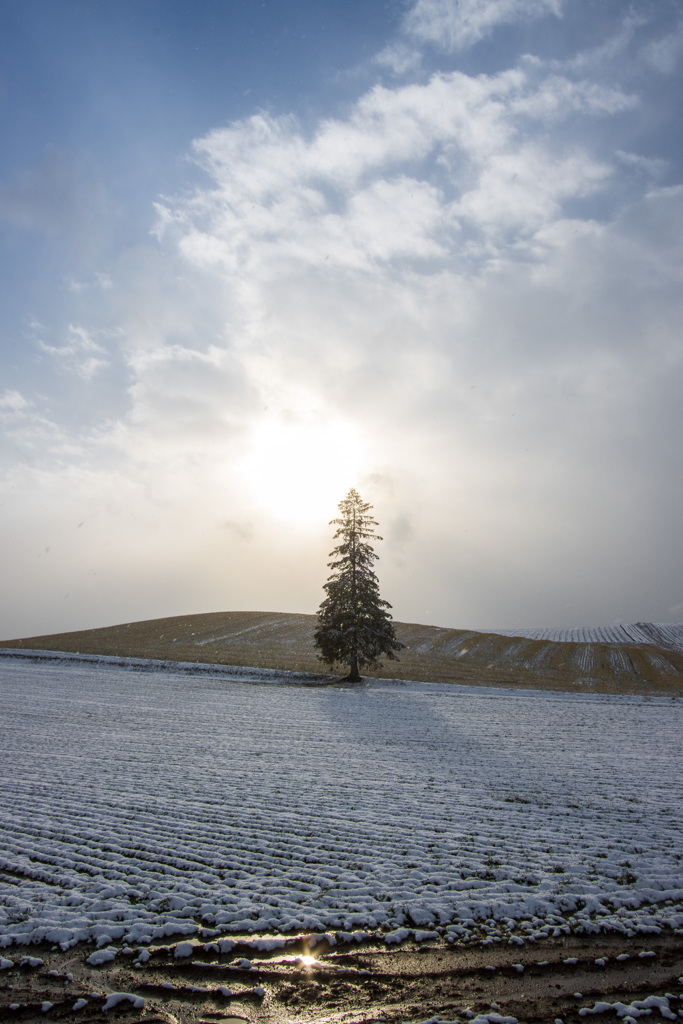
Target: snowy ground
x=662, y=634
x=136, y=805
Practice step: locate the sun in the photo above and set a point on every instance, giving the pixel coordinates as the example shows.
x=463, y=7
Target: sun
x=298, y=468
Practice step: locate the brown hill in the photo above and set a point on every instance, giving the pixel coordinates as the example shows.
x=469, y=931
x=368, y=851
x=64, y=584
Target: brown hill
x=281, y=641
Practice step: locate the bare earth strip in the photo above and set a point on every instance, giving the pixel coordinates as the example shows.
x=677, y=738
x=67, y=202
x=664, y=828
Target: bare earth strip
x=542, y=982
x=285, y=642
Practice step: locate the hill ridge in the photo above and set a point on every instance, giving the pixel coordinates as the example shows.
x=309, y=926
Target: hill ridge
x=284, y=641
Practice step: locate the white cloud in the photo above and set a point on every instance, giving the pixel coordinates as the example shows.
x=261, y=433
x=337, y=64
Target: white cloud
x=652, y=167
x=456, y=24
x=365, y=188
x=100, y=280
x=81, y=353
x=13, y=404
x=32, y=439
x=180, y=398
x=557, y=96
x=524, y=190
x=608, y=55
x=665, y=53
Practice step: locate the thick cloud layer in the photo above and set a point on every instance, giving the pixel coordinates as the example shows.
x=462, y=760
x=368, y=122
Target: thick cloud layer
x=461, y=295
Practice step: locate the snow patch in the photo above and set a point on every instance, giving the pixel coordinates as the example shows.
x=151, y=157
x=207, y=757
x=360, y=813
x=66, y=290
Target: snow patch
x=638, y=1008
x=102, y=956
x=122, y=997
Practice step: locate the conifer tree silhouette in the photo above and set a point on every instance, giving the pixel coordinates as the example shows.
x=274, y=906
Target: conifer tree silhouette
x=354, y=626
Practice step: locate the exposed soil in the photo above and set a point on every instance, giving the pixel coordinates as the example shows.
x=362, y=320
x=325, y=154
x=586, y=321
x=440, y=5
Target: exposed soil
x=534, y=983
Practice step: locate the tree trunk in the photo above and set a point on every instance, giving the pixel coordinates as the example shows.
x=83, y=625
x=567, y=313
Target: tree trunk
x=354, y=675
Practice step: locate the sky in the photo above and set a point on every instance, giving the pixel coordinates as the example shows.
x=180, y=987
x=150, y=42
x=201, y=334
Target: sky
x=253, y=254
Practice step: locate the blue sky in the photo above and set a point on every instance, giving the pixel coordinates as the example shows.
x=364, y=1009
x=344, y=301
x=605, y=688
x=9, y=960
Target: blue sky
x=252, y=254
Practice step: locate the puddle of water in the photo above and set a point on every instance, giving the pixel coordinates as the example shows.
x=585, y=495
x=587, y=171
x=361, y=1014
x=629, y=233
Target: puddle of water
x=234, y=1020
x=298, y=960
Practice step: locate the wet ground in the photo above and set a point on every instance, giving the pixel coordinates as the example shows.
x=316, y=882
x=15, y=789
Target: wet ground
x=538, y=982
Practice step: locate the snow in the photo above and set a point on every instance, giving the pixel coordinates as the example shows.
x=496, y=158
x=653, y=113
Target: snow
x=137, y=805
x=102, y=956
x=194, y=668
x=662, y=634
x=482, y=1018
x=638, y=1008
x=122, y=997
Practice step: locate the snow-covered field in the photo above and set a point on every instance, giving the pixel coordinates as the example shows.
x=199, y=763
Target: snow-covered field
x=136, y=805
x=662, y=634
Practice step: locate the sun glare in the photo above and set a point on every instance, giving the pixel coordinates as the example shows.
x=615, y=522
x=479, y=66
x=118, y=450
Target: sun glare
x=297, y=471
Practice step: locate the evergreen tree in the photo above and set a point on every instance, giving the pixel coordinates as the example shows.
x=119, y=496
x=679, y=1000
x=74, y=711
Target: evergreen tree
x=354, y=627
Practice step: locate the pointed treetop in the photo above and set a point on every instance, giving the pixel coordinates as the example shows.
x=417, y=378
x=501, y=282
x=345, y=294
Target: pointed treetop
x=354, y=516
